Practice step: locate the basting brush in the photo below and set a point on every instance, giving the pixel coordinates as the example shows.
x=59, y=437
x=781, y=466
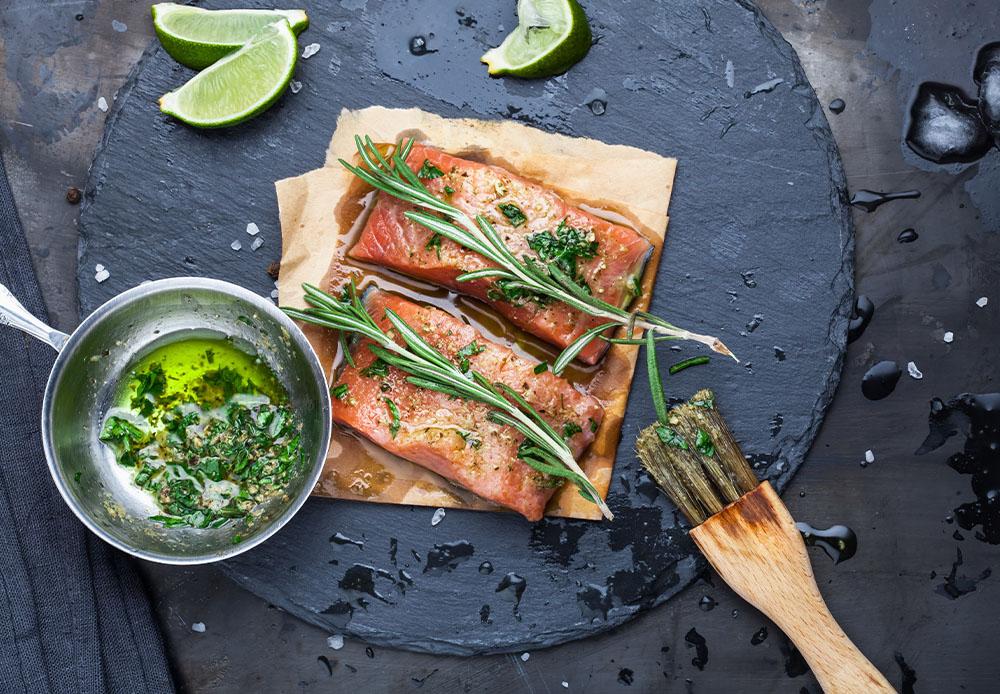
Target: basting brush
x=748, y=536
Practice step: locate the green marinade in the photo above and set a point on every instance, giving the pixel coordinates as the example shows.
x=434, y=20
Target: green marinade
x=207, y=430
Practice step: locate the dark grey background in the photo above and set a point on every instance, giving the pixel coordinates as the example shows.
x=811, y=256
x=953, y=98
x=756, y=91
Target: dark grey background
x=871, y=55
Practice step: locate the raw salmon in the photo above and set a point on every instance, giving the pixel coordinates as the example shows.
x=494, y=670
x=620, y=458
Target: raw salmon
x=520, y=210
x=453, y=437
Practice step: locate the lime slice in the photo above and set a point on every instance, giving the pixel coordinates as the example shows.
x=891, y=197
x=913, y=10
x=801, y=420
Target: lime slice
x=197, y=38
x=239, y=86
x=551, y=36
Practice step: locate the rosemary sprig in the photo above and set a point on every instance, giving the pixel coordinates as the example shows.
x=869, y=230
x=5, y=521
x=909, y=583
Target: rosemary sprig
x=543, y=448
x=392, y=175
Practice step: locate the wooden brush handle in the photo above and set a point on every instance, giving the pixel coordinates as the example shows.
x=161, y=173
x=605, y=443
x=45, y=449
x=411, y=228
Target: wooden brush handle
x=754, y=546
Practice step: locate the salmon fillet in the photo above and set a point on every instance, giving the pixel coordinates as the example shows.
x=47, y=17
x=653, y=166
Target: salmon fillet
x=453, y=437
x=613, y=273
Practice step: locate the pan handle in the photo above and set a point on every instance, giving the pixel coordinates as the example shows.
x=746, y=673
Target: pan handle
x=14, y=314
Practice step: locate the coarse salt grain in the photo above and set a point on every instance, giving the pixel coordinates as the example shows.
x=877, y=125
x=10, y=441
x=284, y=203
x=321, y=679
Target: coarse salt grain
x=525, y=656
x=949, y=337
x=274, y=293
x=310, y=50
x=198, y=627
x=982, y=301
x=257, y=243
x=437, y=517
x=336, y=642
x=911, y=368
x=295, y=86
x=102, y=104
x=236, y=245
x=98, y=267
x=869, y=456
x=565, y=684
x=102, y=275
x=253, y=229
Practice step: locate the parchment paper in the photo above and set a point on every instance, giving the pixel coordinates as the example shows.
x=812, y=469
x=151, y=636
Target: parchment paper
x=627, y=184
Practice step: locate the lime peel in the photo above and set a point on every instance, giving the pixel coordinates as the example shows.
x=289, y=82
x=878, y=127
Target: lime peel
x=551, y=37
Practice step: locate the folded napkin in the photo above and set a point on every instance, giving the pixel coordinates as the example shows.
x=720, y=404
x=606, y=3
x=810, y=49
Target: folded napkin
x=74, y=616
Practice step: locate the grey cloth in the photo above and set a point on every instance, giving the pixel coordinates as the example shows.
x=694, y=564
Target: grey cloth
x=74, y=616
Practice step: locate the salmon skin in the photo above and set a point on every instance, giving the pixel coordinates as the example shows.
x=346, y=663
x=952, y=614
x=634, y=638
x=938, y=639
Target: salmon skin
x=520, y=210
x=454, y=437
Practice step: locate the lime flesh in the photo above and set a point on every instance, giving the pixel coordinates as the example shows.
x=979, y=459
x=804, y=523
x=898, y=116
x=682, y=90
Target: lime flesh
x=551, y=36
x=239, y=86
x=197, y=38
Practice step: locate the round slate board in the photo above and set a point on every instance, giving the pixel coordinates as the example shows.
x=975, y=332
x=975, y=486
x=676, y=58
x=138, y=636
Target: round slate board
x=759, y=251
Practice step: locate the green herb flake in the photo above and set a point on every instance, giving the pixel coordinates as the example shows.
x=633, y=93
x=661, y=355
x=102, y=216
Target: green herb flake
x=513, y=213
x=434, y=244
x=593, y=424
x=693, y=361
x=564, y=247
x=471, y=439
x=670, y=437
x=149, y=386
x=428, y=171
x=570, y=429
x=377, y=369
x=340, y=391
x=394, y=412
x=704, y=444
x=470, y=350
x=541, y=367
x=634, y=288
x=449, y=190
x=708, y=404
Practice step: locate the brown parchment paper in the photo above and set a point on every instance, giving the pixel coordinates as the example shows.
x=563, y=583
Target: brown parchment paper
x=629, y=185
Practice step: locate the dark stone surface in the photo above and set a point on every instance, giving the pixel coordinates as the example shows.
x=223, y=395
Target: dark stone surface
x=892, y=597
x=662, y=72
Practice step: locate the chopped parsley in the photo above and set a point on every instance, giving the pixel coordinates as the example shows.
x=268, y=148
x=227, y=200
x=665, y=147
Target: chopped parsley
x=634, y=288
x=449, y=190
x=377, y=369
x=671, y=437
x=541, y=367
x=149, y=385
x=704, y=444
x=707, y=404
x=428, y=171
x=470, y=350
x=593, y=424
x=471, y=439
x=434, y=243
x=564, y=247
x=394, y=413
x=570, y=429
x=513, y=213
x=340, y=391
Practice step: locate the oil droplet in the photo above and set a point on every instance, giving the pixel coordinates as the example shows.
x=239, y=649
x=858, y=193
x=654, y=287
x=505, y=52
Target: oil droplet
x=707, y=603
x=908, y=236
x=447, y=556
x=871, y=200
x=515, y=586
x=864, y=309
x=759, y=636
x=486, y=568
x=838, y=541
x=693, y=638
x=837, y=106
x=597, y=101
x=880, y=380
x=341, y=539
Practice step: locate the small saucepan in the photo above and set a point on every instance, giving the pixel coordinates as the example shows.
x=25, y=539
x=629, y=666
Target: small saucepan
x=83, y=383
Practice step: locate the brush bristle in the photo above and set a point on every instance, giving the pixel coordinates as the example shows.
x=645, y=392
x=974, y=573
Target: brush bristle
x=695, y=459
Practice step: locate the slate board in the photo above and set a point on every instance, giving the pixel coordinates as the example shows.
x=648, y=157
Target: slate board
x=760, y=232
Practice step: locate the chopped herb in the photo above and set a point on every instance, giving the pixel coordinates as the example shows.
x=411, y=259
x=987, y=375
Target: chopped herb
x=434, y=243
x=237, y=539
x=340, y=391
x=513, y=213
x=670, y=437
x=704, y=444
x=449, y=190
x=564, y=247
x=377, y=369
x=593, y=424
x=570, y=429
x=503, y=290
x=541, y=367
x=471, y=439
x=220, y=385
x=428, y=171
x=693, y=361
x=394, y=411
x=708, y=404
x=77, y=475
x=149, y=386
x=470, y=350
x=634, y=288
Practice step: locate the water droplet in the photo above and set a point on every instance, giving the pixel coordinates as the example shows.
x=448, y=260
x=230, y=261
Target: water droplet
x=597, y=101
x=838, y=541
x=880, y=380
x=759, y=636
x=907, y=236
x=418, y=45
x=864, y=310
x=486, y=568
x=945, y=126
x=987, y=76
x=763, y=87
x=871, y=200
x=707, y=603
x=837, y=106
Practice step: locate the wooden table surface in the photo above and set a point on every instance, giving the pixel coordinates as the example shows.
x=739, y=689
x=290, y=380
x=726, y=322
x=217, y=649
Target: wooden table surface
x=59, y=59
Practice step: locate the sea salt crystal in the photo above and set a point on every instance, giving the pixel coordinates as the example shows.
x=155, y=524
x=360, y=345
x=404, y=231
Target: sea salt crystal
x=295, y=86
x=310, y=50
x=236, y=245
x=982, y=301
x=911, y=368
x=253, y=229
x=437, y=517
x=949, y=337
x=869, y=456
x=102, y=104
x=525, y=656
x=336, y=642
x=101, y=274
x=98, y=267
x=565, y=684
x=257, y=243
x=198, y=627
x=274, y=294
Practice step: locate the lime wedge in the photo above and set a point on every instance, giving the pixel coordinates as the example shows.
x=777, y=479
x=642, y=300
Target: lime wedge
x=197, y=38
x=239, y=86
x=551, y=36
